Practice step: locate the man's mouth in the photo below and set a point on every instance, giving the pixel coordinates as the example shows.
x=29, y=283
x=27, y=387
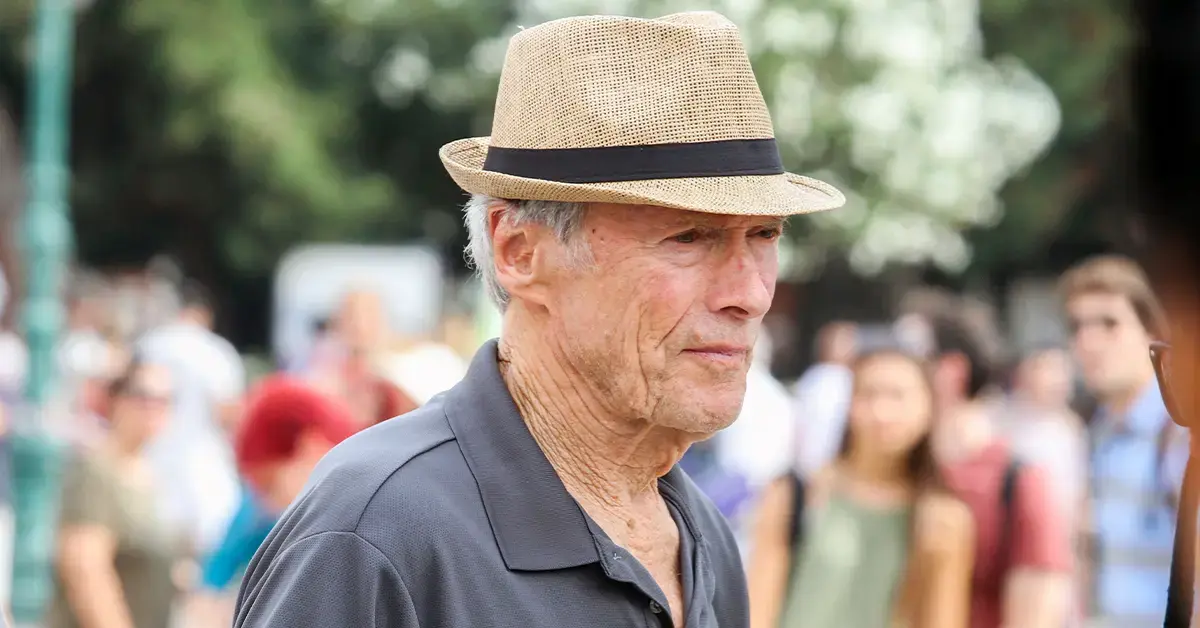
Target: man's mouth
x=726, y=354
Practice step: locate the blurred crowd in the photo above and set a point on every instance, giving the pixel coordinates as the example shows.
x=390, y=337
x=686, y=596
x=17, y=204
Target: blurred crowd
x=179, y=460
x=1036, y=490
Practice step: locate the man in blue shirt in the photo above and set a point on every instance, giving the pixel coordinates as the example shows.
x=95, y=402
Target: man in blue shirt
x=1138, y=454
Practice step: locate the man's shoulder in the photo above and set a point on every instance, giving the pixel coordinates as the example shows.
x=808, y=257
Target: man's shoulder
x=399, y=459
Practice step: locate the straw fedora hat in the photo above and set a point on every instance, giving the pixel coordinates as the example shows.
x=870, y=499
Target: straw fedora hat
x=611, y=109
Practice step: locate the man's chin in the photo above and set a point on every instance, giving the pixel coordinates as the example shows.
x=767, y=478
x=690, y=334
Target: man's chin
x=703, y=421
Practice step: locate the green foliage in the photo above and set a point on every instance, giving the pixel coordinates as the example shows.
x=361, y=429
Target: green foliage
x=1078, y=48
x=226, y=131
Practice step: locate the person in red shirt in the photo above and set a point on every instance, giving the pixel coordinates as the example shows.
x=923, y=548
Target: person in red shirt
x=1023, y=557
x=288, y=427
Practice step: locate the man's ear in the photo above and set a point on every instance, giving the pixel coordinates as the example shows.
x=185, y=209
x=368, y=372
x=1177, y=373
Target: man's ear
x=515, y=254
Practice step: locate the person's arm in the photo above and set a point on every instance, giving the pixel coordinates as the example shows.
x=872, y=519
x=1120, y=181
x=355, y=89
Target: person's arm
x=327, y=579
x=87, y=547
x=1037, y=592
x=770, y=554
x=946, y=539
x=227, y=388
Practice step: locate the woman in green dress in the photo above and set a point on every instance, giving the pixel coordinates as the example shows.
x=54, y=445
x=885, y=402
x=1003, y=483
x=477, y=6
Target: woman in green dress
x=873, y=540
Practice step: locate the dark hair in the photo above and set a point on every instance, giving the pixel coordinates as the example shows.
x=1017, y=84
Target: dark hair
x=1119, y=275
x=952, y=335
x=123, y=382
x=194, y=296
x=921, y=465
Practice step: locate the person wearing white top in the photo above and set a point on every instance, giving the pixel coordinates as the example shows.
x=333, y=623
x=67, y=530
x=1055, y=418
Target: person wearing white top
x=193, y=457
x=821, y=399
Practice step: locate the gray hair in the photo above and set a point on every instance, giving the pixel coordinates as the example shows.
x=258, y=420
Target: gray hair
x=562, y=218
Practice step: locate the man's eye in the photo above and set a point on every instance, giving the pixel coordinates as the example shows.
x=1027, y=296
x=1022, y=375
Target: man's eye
x=687, y=237
x=770, y=234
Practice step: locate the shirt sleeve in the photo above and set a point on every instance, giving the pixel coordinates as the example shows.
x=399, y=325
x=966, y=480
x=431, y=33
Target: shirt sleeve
x=327, y=579
x=243, y=536
x=87, y=495
x=1040, y=538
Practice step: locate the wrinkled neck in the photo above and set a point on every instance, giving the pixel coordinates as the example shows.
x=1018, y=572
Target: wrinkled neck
x=603, y=455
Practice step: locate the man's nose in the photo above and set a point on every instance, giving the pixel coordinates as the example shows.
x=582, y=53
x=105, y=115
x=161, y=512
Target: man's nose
x=743, y=282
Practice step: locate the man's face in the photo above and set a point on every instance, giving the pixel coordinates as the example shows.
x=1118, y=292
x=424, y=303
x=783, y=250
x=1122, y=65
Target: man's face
x=1109, y=342
x=664, y=321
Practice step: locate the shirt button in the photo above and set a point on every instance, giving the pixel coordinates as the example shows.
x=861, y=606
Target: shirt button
x=655, y=607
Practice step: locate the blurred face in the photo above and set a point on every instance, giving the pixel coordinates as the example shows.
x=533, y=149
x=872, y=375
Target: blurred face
x=662, y=322
x=1046, y=378
x=362, y=323
x=279, y=483
x=139, y=413
x=1108, y=341
x=891, y=408
x=951, y=380
x=840, y=344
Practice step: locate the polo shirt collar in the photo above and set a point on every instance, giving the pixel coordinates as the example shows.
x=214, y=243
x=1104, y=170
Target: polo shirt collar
x=537, y=524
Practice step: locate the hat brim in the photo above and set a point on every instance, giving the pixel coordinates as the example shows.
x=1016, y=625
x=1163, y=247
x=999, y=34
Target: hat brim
x=761, y=195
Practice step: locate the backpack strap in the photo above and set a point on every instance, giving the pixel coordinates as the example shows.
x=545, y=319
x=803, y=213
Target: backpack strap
x=1008, y=499
x=796, y=525
x=799, y=497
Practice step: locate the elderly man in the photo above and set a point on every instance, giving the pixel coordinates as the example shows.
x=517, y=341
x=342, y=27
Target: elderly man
x=625, y=217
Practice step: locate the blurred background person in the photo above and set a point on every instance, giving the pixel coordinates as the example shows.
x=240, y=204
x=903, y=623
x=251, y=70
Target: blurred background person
x=289, y=425
x=193, y=456
x=1023, y=557
x=89, y=321
x=234, y=206
x=418, y=372
x=13, y=364
x=735, y=465
x=116, y=555
x=1044, y=379
x=1042, y=429
x=349, y=361
x=822, y=395
x=875, y=536
x=1138, y=454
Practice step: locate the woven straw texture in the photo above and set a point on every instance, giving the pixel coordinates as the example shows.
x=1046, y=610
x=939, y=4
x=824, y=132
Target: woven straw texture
x=598, y=81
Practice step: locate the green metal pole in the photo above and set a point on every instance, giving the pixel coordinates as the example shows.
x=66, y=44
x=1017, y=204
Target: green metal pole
x=37, y=455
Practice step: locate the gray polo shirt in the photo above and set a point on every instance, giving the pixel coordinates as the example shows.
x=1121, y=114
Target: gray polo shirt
x=451, y=517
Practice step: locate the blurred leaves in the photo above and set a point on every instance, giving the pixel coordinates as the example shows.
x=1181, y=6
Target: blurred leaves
x=228, y=130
